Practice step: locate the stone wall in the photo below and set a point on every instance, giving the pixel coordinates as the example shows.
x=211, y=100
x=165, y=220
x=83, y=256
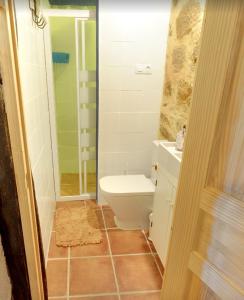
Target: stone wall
x=182, y=55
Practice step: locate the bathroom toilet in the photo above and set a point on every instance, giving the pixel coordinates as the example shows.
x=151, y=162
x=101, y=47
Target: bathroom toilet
x=131, y=196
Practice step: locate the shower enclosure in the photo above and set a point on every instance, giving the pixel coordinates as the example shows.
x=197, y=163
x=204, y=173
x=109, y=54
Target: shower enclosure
x=73, y=40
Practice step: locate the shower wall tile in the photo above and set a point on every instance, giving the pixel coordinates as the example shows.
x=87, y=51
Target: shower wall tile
x=110, y=101
x=129, y=103
x=36, y=113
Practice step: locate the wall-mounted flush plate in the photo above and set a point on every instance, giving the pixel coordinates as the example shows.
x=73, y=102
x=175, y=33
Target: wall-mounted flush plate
x=143, y=69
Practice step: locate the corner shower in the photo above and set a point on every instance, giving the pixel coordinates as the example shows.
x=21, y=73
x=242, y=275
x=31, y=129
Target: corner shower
x=73, y=40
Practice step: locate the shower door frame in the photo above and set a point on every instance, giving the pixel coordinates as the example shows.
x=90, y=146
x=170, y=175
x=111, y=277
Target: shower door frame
x=78, y=15
x=83, y=186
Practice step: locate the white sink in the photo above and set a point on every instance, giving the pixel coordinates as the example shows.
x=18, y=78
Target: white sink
x=170, y=159
x=171, y=147
x=178, y=155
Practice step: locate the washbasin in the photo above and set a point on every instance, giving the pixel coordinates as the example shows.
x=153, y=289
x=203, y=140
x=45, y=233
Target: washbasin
x=170, y=159
x=178, y=155
x=171, y=147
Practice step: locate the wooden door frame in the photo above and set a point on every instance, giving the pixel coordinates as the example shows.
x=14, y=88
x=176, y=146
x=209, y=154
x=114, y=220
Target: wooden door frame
x=18, y=142
x=10, y=221
x=220, y=44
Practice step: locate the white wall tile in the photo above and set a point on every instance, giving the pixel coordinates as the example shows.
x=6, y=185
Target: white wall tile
x=34, y=90
x=130, y=103
x=111, y=101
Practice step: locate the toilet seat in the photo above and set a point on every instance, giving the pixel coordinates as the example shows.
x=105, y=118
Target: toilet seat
x=127, y=185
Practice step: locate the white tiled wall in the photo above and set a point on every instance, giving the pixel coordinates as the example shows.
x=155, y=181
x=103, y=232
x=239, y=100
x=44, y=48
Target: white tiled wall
x=35, y=97
x=129, y=103
x=5, y=285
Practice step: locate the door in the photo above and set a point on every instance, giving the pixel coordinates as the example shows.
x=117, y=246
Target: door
x=206, y=254
x=73, y=117
x=19, y=219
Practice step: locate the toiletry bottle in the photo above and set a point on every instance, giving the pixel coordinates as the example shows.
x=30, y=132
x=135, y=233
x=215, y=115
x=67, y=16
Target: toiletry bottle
x=180, y=138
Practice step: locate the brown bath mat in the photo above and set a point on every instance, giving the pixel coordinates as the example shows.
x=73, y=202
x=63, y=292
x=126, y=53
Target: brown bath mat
x=77, y=226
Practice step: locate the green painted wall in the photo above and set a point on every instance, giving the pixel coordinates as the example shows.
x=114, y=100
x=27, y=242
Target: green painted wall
x=90, y=39
x=63, y=40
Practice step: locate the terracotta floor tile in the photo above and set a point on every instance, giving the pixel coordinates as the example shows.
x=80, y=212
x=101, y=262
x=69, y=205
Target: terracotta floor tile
x=92, y=203
x=91, y=249
x=55, y=251
x=109, y=218
x=105, y=206
x=127, y=241
x=146, y=232
x=98, y=298
x=91, y=276
x=57, y=278
x=137, y=273
x=160, y=265
x=100, y=218
x=149, y=296
x=152, y=247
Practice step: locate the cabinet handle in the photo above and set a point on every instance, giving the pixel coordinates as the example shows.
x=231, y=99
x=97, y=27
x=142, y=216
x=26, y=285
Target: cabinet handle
x=155, y=166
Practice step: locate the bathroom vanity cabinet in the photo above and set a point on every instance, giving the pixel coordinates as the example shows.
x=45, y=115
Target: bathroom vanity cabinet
x=164, y=198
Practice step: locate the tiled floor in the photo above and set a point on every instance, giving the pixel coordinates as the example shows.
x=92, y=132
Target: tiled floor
x=124, y=266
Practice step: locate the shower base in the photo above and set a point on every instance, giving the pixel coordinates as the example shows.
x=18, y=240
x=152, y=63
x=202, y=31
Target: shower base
x=70, y=184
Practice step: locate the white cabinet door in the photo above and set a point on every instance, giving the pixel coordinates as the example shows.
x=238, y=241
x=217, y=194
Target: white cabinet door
x=170, y=222
x=162, y=215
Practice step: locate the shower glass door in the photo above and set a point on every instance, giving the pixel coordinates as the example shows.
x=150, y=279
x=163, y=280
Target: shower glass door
x=74, y=67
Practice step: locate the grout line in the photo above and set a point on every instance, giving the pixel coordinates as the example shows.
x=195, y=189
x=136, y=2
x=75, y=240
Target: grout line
x=140, y=292
x=107, y=294
x=57, y=297
x=68, y=274
x=153, y=254
x=112, y=260
x=93, y=295
x=57, y=258
x=113, y=228
x=133, y=254
x=101, y=256
x=114, y=255
x=104, y=221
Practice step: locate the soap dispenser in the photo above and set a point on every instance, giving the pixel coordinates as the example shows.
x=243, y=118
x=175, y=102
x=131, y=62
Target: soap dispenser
x=180, y=138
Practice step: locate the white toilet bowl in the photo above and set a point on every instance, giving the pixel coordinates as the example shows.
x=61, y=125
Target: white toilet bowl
x=131, y=199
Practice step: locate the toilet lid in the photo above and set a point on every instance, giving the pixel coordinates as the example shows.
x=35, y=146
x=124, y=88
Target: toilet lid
x=127, y=184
